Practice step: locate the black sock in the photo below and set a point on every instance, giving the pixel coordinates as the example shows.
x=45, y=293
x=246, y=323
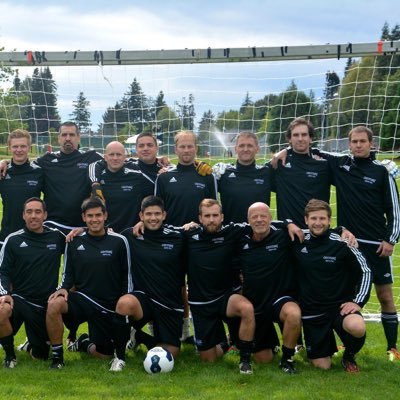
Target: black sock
x=84, y=344
x=390, y=324
x=57, y=351
x=121, y=331
x=246, y=348
x=8, y=345
x=287, y=353
x=352, y=345
x=148, y=340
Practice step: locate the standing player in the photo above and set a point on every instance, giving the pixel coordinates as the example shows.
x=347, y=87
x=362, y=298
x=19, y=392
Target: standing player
x=29, y=268
x=212, y=296
x=244, y=183
x=368, y=205
x=301, y=178
x=183, y=188
x=123, y=188
x=334, y=284
x=96, y=263
x=158, y=267
x=22, y=181
x=268, y=282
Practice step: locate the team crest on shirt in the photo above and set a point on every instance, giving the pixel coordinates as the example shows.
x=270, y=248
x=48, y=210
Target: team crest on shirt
x=106, y=253
x=127, y=188
x=369, y=180
x=271, y=247
x=199, y=185
x=311, y=174
x=259, y=181
x=329, y=259
x=167, y=246
x=82, y=165
x=32, y=183
x=218, y=240
x=52, y=246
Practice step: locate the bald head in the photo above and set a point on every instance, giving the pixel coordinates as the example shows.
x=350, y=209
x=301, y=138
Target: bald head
x=259, y=217
x=114, y=156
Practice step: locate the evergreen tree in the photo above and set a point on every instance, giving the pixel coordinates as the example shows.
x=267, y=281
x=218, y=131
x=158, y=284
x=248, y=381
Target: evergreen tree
x=81, y=114
x=186, y=113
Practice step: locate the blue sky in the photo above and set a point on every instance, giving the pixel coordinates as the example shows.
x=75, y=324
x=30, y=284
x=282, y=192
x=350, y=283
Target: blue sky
x=172, y=24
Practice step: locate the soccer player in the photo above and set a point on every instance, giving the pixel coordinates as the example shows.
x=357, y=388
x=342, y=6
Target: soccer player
x=22, y=181
x=301, y=178
x=212, y=296
x=123, y=188
x=244, y=183
x=334, y=284
x=183, y=188
x=368, y=205
x=267, y=266
x=29, y=268
x=97, y=264
x=158, y=267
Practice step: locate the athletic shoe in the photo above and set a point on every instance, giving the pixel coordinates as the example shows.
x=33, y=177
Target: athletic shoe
x=245, y=368
x=24, y=346
x=393, y=354
x=10, y=363
x=57, y=363
x=350, y=366
x=298, y=348
x=131, y=344
x=77, y=345
x=117, y=365
x=288, y=366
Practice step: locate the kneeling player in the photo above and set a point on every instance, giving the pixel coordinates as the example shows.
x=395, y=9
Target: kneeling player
x=158, y=271
x=97, y=265
x=334, y=283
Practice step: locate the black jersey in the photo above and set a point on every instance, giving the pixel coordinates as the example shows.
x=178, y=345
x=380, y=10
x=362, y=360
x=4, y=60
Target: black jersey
x=302, y=178
x=66, y=184
x=158, y=265
x=267, y=268
x=182, y=190
x=30, y=263
x=367, y=198
x=242, y=185
x=124, y=191
x=98, y=267
x=210, y=274
x=20, y=183
x=330, y=273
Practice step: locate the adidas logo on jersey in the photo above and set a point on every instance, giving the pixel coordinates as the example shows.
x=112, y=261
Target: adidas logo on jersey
x=81, y=247
x=7, y=177
x=288, y=165
x=195, y=237
x=173, y=180
x=346, y=167
x=304, y=250
x=23, y=244
x=232, y=175
x=54, y=160
x=246, y=246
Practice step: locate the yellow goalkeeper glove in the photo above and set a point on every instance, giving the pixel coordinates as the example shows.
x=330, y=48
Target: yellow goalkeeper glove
x=97, y=192
x=203, y=168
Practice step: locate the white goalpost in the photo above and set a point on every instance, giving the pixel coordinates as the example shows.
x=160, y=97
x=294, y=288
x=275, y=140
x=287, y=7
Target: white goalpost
x=215, y=92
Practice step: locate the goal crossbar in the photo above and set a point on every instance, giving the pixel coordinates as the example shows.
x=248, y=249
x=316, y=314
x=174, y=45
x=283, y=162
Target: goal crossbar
x=190, y=56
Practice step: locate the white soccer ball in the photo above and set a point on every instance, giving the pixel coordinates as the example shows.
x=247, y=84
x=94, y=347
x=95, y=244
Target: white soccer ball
x=158, y=360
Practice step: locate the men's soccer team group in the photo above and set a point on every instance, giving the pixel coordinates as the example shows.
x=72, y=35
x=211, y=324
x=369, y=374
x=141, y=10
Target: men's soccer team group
x=152, y=241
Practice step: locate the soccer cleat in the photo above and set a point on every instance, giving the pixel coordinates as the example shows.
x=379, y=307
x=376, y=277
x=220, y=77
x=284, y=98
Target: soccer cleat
x=288, y=366
x=393, y=354
x=131, y=344
x=298, y=348
x=350, y=365
x=24, y=346
x=10, y=363
x=57, y=363
x=77, y=345
x=117, y=365
x=245, y=368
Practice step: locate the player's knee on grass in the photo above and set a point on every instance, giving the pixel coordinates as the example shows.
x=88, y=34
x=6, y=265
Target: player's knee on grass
x=263, y=356
x=322, y=363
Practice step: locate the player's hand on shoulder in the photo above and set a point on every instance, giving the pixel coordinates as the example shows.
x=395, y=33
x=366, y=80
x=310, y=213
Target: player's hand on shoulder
x=349, y=308
x=190, y=226
x=75, y=232
x=202, y=168
x=6, y=301
x=219, y=169
x=280, y=155
x=294, y=231
x=3, y=168
x=163, y=161
x=349, y=238
x=138, y=229
x=58, y=293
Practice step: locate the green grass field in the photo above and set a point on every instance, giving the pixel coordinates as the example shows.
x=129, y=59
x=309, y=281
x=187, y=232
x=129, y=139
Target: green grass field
x=86, y=378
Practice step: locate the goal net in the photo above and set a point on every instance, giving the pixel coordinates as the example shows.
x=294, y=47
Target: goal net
x=214, y=92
